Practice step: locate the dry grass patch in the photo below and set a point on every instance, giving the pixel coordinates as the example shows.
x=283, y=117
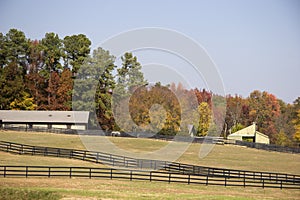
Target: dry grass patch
x=117, y=189
x=223, y=156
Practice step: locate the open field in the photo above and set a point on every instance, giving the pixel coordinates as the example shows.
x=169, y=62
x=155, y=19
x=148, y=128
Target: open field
x=226, y=156
x=116, y=189
x=223, y=156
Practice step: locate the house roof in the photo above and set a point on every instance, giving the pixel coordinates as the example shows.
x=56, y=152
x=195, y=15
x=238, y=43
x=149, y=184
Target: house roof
x=54, y=117
x=248, y=131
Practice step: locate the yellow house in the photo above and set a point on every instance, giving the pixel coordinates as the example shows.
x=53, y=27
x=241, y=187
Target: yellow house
x=251, y=134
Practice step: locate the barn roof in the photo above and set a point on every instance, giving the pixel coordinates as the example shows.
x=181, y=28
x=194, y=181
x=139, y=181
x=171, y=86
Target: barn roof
x=249, y=131
x=54, y=117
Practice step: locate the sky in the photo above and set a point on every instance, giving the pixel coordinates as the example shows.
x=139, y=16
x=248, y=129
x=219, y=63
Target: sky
x=254, y=44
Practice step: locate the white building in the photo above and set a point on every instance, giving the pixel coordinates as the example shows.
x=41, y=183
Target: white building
x=76, y=120
x=251, y=134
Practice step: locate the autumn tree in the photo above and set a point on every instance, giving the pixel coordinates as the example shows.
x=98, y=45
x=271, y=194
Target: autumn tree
x=235, y=106
x=264, y=110
x=64, y=90
x=205, y=119
x=296, y=123
x=25, y=102
x=36, y=81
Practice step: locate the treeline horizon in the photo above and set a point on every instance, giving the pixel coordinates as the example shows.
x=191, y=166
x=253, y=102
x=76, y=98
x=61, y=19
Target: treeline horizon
x=56, y=74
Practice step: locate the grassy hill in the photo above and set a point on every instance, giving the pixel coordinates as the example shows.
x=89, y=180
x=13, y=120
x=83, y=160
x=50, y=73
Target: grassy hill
x=223, y=156
x=226, y=156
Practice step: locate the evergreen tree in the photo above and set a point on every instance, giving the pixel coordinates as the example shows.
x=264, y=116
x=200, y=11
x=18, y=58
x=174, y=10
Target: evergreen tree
x=11, y=85
x=93, y=86
x=77, y=48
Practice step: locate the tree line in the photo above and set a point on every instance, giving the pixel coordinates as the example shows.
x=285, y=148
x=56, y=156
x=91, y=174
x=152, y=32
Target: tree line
x=58, y=74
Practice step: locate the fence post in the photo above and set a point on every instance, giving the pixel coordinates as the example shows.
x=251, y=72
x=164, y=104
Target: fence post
x=206, y=180
x=263, y=183
x=169, y=177
x=49, y=172
x=26, y=172
x=111, y=174
x=131, y=175
x=281, y=184
x=70, y=172
x=4, y=173
x=225, y=181
x=84, y=155
x=294, y=179
x=71, y=153
x=244, y=181
x=97, y=159
x=189, y=179
x=90, y=173
x=22, y=149
x=150, y=176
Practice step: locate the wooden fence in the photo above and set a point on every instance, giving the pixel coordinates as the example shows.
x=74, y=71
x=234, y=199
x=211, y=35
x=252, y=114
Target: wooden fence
x=110, y=173
x=267, y=147
x=212, y=140
x=144, y=164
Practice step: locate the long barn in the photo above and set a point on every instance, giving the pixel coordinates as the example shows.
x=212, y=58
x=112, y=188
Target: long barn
x=76, y=120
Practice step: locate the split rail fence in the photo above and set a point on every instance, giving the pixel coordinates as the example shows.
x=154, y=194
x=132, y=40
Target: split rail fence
x=144, y=167
x=155, y=176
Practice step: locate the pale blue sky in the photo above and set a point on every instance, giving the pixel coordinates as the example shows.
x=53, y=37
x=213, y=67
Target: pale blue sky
x=255, y=44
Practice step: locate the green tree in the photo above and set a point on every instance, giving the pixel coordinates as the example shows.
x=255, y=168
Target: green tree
x=205, y=119
x=77, y=48
x=15, y=48
x=282, y=139
x=237, y=127
x=52, y=53
x=11, y=85
x=2, y=52
x=93, y=86
x=130, y=76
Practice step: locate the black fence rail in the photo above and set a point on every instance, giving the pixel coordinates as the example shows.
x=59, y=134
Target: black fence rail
x=39, y=129
x=144, y=164
x=157, y=176
x=211, y=140
x=267, y=147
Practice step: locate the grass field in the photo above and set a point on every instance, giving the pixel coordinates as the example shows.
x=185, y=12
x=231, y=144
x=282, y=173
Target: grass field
x=115, y=189
x=226, y=156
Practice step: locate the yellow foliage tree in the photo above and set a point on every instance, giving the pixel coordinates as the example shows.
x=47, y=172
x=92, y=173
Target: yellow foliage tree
x=205, y=119
x=297, y=127
x=24, y=103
